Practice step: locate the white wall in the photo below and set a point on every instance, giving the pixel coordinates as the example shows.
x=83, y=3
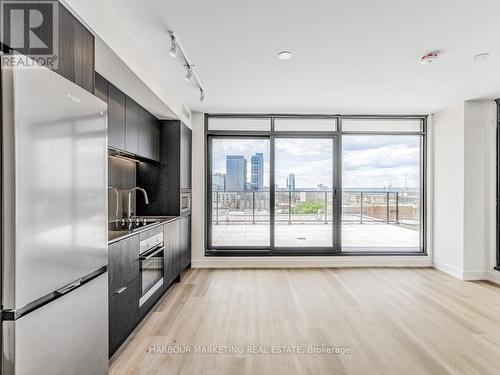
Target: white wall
x=198, y=189
x=464, y=189
x=479, y=165
x=448, y=182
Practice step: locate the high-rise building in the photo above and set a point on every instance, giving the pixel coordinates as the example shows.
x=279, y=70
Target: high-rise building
x=236, y=173
x=218, y=182
x=257, y=176
x=322, y=187
x=290, y=182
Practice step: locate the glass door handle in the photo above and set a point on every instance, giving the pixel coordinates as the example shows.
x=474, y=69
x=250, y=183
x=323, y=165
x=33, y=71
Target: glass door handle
x=334, y=192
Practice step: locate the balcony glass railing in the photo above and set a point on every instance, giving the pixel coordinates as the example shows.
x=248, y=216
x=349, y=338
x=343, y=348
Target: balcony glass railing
x=316, y=207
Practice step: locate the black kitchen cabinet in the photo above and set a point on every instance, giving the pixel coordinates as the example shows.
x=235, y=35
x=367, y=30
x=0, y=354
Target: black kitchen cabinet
x=124, y=290
x=149, y=135
x=116, y=118
x=123, y=263
x=168, y=273
x=132, y=121
x=155, y=138
x=123, y=313
x=185, y=161
x=173, y=173
x=130, y=127
x=172, y=251
x=101, y=87
x=185, y=239
x=76, y=50
x=125, y=278
x=145, y=134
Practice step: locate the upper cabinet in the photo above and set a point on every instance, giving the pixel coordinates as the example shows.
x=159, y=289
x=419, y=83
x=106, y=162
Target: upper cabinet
x=76, y=51
x=75, y=47
x=149, y=135
x=116, y=118
x=132, y=120
x=101, y=88
x=130, y=127
x=185, y=161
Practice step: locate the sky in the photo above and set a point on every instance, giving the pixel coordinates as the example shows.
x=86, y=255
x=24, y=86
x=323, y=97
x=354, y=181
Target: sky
x=368, y=161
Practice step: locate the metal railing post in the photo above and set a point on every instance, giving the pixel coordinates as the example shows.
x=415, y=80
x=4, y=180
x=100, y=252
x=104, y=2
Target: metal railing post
x=216, y=208
x=387, y=208
x=361, y=206
x=326, y=207
x=397, y=208
x=253, y=207
x=289, y=207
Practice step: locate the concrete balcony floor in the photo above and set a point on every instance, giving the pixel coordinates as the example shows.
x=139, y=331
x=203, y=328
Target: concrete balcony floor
x=355, y=237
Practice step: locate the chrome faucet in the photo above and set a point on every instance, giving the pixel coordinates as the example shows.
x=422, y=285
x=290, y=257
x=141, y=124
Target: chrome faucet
x=117, y=199
x=129, y=213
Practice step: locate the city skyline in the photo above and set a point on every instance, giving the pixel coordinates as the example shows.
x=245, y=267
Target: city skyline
x=368, y=162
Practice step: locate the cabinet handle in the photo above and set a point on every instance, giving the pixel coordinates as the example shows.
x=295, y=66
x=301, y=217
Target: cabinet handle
x=120, y=291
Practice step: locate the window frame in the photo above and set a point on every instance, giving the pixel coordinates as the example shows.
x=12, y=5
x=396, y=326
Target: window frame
x=497, y=203
x=335, y=250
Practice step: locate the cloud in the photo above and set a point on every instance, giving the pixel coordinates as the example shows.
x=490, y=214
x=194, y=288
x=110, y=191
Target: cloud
x=367, y=161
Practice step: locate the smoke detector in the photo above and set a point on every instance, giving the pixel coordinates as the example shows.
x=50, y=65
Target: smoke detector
x=429, y=57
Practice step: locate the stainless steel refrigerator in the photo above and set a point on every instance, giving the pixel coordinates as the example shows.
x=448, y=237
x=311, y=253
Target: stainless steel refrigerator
x=54, y=225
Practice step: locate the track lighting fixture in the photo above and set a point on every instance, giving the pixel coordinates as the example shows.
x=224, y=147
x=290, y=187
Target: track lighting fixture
x=176, y=50
x=173, y=47
x=189, y=73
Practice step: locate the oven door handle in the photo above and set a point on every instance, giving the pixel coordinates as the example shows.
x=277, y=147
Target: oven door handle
x=151, y=253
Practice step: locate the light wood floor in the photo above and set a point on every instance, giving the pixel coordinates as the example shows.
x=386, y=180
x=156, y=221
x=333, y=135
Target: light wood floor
x=395, y=321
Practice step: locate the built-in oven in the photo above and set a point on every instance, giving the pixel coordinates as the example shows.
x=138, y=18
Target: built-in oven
x=151, y=259
x=185, y=201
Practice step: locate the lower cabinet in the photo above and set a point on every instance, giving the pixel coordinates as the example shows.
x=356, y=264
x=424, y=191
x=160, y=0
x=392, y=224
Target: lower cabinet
x=123, y=313
x=125, y=286
x=172, y=254
x=185, y=241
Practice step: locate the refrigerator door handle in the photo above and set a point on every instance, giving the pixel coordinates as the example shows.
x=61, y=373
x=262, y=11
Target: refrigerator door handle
x=68, y=288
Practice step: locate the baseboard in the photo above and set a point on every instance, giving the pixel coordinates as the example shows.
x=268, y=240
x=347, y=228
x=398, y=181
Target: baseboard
x=494, y=276
x=466, y=275
x=313, y=262
x=449, y=269
x=474, y=275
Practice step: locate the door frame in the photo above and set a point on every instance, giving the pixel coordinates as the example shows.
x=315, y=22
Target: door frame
x=335, y=248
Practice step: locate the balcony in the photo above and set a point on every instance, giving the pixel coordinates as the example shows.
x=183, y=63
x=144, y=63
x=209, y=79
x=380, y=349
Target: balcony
x=378, y=220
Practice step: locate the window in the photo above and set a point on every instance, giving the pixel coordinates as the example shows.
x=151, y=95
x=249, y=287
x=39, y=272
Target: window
x=298, y=124
x=381, y=192
x=313, y=186
x=498, y=186
x=239, y=176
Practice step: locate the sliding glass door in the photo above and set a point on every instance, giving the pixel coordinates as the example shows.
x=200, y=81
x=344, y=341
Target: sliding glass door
x=304, y=192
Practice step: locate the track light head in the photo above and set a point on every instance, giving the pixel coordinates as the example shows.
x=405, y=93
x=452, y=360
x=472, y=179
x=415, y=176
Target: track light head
x=173, y=47
x=189, y=73
x=202, y=95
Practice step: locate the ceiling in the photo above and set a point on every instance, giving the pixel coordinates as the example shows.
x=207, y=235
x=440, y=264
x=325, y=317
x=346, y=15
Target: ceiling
x=349, y=57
